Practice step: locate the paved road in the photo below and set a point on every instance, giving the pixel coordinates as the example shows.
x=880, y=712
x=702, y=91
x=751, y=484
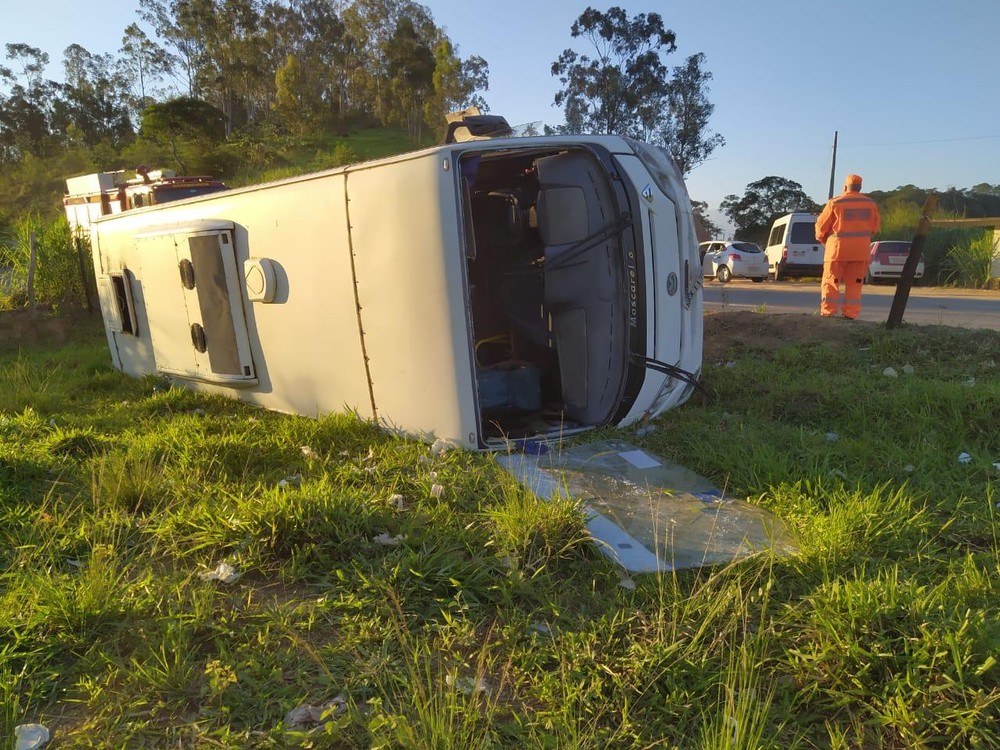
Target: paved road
x=965, y=308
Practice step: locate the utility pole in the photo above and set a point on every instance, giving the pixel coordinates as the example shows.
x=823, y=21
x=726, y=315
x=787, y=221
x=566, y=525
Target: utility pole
x=833, y=165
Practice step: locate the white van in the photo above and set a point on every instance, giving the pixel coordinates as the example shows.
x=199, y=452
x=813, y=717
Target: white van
x=792, y=248
x=478, y=292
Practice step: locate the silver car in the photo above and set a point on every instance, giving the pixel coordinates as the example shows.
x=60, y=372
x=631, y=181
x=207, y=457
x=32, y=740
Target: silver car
x=726, y=260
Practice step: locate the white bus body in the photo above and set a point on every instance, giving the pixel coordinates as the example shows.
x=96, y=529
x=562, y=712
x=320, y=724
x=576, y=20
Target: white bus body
x=477, y=292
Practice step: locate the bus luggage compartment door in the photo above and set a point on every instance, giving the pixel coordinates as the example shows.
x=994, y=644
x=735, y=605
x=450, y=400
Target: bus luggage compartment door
x=194, y=304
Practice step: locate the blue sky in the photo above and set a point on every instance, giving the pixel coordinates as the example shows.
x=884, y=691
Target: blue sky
x=910, y=87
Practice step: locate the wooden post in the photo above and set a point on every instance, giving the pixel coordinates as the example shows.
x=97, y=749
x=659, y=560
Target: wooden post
x=32, y=260
x=909, y=268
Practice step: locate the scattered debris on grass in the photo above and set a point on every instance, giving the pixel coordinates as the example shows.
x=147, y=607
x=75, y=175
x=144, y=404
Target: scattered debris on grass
x=295, y=480
x=31, y=736
x=223, y=572
x=307, y=716
x=442, y=446
x=541, y=627
x=468, y=685
x=964, y=458
x=387, y=540
x=890, y=373
x=309, y=453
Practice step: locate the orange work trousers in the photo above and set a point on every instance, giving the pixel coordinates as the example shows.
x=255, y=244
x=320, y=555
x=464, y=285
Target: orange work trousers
x=849, y=272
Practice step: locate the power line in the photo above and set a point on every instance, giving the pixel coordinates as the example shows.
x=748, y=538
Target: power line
x=914, y=143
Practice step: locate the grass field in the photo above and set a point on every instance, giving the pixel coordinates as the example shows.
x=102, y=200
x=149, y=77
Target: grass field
x=418, y=600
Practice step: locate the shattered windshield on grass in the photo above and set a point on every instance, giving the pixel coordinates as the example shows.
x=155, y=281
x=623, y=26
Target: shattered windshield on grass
x=648, y=513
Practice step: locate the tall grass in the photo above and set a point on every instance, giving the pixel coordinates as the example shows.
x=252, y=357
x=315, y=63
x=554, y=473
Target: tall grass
x=970, y=263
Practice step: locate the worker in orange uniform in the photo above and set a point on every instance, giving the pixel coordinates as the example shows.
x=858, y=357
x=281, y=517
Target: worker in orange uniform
x=845, y=227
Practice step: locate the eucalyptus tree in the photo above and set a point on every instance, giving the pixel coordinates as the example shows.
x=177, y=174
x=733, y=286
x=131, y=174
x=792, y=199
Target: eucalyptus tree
x=94, y=107
x=621, y=87
x=26, y=108
x=407, y=67
x=307, y=40
x=240, y=82
x=684, y=127
x=410, y=67
x=143, y=63
x=219, y=45
x=176, y=22
x=386, y=37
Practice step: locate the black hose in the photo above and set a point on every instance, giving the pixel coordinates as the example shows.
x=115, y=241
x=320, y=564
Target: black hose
x=673, y=371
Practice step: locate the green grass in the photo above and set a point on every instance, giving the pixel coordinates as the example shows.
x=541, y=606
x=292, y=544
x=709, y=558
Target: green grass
x=290, y=157
x=494, y=623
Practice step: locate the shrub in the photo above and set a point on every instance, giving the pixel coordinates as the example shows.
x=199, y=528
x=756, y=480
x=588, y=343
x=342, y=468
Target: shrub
x=969, y=263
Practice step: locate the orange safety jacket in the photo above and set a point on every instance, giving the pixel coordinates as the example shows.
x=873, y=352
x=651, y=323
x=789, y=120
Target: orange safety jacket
x=846, y=226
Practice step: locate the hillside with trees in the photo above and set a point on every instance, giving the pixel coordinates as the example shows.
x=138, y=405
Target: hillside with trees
x=231, y=87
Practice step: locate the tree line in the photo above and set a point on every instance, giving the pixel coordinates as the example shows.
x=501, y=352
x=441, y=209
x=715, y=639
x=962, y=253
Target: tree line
x=771, y=197
x=299, y=65
x=192, y=76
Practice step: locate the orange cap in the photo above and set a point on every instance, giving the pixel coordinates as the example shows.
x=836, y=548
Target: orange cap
x=852, y=179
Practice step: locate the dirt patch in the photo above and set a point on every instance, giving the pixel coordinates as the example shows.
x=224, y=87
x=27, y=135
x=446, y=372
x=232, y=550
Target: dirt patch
x=728, y=334
x=22, y=327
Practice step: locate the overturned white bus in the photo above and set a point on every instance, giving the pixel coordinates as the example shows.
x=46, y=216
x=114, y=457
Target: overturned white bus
x=480, y=292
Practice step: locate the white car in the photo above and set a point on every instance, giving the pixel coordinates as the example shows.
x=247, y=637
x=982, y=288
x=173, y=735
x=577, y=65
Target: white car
x=887, y=260
x=725, y=260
